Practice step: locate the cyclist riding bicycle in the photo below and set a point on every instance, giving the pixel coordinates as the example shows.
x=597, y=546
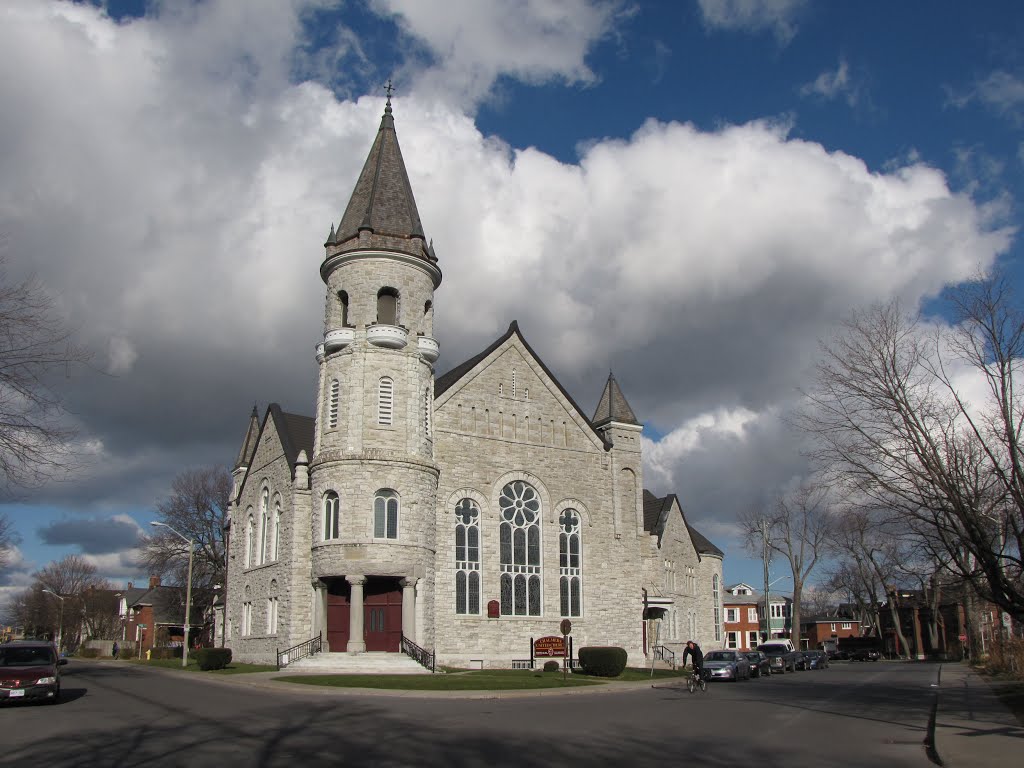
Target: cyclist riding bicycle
x=693, y=651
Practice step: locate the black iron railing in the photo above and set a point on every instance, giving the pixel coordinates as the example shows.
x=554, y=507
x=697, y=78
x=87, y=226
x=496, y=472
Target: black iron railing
x=300, y=651
x=665, y=654
x=413, y=651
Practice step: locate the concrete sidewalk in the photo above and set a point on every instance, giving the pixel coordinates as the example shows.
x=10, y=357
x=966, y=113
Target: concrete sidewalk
x=972, y=726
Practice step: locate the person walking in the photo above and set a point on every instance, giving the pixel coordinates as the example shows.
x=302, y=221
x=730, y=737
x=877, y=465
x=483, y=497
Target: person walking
x=114, y=650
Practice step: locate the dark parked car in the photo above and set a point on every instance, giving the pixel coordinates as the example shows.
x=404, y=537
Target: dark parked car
x=726, y=665
x=759, y=664
x=865, y=654
x=818, y=659
x=30, y=671
x=780, y=657
x=803, y=661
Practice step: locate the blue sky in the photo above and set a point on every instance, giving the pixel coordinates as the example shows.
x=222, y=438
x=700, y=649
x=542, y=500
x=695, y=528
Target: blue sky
x=690, y=193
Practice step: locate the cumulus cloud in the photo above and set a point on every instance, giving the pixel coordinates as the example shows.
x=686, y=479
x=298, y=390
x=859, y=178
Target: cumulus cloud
x=94, y=536
x=835, y=84
x=176, y=199
x=777, y=16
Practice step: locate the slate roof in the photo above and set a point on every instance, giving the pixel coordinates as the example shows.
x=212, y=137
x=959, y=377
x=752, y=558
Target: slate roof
x=252, y=437
x=654, y=508
x=168, y=604
x=382, y=204
x=613, y=406
x=701, y=544
x=296, y=432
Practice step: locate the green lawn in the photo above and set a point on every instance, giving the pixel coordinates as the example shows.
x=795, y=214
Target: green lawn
x=234, y=668
x=474, y=680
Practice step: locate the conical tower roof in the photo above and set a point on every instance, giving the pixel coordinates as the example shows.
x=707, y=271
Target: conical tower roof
x=613, y=406
x=382, y=212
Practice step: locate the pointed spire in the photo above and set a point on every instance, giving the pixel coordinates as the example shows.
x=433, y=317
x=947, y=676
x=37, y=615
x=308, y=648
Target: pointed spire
x=382, y=211
x=252, y=436
x=613, y=405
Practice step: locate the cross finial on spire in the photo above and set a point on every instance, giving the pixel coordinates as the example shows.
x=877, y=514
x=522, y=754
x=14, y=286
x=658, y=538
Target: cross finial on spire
x=389, y=88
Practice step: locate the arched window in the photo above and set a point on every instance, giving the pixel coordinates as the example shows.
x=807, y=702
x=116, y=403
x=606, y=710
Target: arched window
x=249, y=538
x=385, y=514
x=343, y=304
x=264, y=525
x=519, y=545
x=332, y=404
x=385, y=400
x=247, y=613
x=332, y=516
x=428, y=313
x=387, y=306
x=467, y=557
x=272, y=609
x=718, y=607
x=570, y=563
x=275, y=542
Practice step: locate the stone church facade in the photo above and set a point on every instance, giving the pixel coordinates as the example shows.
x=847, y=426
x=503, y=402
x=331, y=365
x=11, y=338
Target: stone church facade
x=467, y=513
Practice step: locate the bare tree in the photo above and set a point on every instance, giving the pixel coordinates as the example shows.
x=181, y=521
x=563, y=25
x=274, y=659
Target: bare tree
x=197, y=509
x=894, y=428
x=797, y=528
x=60, y=598
x=35, y=347
x=7, y=540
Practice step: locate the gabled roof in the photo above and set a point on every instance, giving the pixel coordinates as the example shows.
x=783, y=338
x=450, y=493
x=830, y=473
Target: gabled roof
x=251, y=440
x=654, y=509
x=701, y=544
x=382, y=204
x=296, y=432
x=613, y=406
x=168, y=604
x=443, y=383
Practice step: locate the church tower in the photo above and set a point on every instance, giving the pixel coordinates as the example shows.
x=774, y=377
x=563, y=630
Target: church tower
x=373, y=477
x=615, y=421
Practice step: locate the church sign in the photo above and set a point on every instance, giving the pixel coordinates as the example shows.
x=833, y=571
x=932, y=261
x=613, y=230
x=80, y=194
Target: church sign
x=549, y=646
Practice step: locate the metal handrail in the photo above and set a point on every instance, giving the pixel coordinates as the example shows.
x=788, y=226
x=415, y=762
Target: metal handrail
x=413, y=651
x=300, y=651
x=665, y=654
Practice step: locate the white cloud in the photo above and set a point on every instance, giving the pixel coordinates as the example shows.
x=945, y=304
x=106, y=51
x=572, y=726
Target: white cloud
x=121, y=355
x=835, y=84
x=778, y=16
x=471, y=43
x=1000, y=91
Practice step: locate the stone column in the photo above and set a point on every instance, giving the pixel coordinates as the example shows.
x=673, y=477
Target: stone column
x=409, y=608
x=317, y=623
x=356, y=643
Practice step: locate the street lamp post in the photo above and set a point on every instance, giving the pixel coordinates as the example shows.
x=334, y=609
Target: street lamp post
x=188, y=590
x=60, y=620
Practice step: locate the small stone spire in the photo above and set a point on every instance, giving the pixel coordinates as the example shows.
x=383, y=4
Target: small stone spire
x=613, y=406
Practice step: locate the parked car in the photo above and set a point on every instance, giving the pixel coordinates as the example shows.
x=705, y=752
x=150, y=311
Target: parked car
x=865, y=654
x=759, y=664
x=802, y=660
x=780, y=656
x=726, y=665
x=819, y=659
x=30, y=671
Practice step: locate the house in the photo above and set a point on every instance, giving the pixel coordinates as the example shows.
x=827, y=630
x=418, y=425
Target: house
x=742, y=617
x=153, y=617
x=817, y=632
x=464, y=514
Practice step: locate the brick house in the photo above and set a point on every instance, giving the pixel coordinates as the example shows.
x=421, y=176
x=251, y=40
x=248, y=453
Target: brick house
x=153, y=617
x=742, y=617
x=816, y=630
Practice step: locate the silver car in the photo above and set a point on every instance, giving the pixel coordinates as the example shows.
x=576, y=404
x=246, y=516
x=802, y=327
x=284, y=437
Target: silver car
x=727, y=665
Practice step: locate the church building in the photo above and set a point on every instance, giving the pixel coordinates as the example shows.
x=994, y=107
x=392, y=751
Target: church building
x=466, y=513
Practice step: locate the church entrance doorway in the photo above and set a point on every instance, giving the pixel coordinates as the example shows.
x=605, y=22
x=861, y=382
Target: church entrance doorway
x=338, y=617
x=382, y=614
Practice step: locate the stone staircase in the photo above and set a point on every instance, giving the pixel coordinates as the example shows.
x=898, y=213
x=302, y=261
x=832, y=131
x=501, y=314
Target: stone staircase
x=369, y=663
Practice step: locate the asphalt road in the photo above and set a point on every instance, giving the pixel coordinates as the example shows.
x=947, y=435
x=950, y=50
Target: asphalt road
x=123, y=715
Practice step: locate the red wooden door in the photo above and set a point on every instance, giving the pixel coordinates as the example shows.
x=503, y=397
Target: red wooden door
x=337, y=615
x=382, y=615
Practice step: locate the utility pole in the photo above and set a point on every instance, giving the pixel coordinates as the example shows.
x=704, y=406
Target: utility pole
x=766, y=554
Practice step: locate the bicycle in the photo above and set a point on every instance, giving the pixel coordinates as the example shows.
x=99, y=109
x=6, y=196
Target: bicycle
x=696, y=681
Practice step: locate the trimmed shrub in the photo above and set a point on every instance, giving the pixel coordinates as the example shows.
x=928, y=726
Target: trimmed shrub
x=212, y=658
x=551, y=666
x=89, y=653
x=602, y=661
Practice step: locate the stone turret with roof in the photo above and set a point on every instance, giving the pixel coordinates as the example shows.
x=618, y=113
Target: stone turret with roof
x=614, y=420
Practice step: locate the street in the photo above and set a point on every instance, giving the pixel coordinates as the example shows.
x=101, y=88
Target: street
x=125, y=715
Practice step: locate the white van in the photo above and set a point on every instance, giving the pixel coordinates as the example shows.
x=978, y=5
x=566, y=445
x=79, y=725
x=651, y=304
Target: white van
x=781, y=641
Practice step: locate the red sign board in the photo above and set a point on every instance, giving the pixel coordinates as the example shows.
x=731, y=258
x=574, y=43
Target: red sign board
x=549, y=646
x=963, y=638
